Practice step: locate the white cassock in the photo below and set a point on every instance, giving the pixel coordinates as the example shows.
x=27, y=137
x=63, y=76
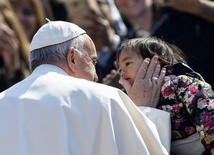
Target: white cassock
x=51, y=113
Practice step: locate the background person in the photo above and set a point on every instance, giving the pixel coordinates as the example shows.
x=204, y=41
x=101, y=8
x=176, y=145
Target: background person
x=31, y=15
x=14, y=48
x=140, y=16
x=190, y=26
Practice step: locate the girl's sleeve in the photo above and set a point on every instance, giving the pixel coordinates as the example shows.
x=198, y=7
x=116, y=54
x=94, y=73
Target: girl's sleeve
x=198, y=99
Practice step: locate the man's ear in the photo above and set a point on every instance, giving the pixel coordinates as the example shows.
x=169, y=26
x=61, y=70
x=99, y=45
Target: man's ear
x=71, y=59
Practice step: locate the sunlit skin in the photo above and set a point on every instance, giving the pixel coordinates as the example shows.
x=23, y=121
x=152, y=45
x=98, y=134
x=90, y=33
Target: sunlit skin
x=85, y=62
x=128, y=65
x=133, y=7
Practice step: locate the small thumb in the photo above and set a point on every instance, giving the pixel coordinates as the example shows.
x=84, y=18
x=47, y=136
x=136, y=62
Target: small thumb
x=125, y=84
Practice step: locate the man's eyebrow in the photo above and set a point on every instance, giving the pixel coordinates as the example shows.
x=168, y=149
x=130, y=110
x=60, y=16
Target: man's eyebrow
x=94, y=58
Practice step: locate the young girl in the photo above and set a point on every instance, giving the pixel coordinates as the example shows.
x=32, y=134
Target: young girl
x=184, y=93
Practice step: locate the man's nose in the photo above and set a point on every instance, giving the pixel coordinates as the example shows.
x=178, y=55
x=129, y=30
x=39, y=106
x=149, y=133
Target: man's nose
x=96, y=78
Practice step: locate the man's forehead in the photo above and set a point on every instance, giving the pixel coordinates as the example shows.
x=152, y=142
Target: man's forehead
x=90, y=48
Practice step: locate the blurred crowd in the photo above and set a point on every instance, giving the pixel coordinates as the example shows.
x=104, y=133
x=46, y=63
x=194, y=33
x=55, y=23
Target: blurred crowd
x=187, y=24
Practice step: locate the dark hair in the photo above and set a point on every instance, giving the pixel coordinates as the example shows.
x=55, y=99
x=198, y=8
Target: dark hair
x=148, y=47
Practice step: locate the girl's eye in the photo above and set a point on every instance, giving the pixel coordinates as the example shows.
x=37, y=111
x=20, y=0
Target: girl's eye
x=127, y=63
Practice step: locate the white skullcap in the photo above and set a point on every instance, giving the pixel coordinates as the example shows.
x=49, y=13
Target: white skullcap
x=55, y=32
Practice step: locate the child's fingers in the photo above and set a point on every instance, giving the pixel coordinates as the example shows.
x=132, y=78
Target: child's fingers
x=125, y=84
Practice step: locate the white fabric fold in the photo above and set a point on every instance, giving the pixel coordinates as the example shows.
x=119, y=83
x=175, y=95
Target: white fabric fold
x=162, y=121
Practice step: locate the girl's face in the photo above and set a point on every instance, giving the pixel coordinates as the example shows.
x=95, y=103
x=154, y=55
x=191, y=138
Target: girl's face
x=128, y=64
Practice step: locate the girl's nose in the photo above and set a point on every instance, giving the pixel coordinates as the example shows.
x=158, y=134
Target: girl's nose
x=122, y=73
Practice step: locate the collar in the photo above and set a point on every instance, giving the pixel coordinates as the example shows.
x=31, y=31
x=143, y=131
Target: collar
x=182, y=69
x=45, y=68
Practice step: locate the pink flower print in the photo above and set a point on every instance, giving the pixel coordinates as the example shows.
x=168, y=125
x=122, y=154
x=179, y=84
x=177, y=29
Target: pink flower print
x=208, y=125
x=168, y=93
x=183, y=84
x=177, y=125
x=189, y=130
x=193, y=89
x=176, y=107
x=206, y=117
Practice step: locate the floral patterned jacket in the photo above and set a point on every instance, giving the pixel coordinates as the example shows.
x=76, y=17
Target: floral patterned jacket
x=190, y=101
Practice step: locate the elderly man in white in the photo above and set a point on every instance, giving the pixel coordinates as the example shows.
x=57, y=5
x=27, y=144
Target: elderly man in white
x=61, y=110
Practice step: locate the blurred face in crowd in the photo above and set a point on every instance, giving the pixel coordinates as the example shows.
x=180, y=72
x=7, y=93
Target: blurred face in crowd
x=105, y=9
x=26, y=15
x=133, y=8
x=100, y=25
x=85, y=60
x=9, y=49
x=95, y=19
